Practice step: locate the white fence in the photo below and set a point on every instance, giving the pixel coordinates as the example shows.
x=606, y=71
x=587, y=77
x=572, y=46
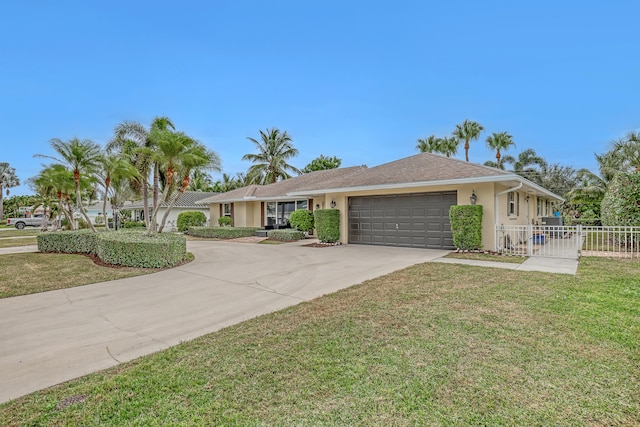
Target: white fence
x=568, y=241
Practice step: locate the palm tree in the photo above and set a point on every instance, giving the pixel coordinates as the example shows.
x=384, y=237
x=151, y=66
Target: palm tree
x=270, y=164
x=433, y=144
x=467, y=131
x=8, y=179
x=177, y=156
x=134, y=140
x=500, y=141
x=113, y=167
x=504, y=160
x=82, y=157
x=528, y=164
x=200, y=181
x=627, y=152
x=56, y=182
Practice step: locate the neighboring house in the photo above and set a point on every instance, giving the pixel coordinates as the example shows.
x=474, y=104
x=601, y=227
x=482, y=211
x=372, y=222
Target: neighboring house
x=186, y=203
x=401, y=203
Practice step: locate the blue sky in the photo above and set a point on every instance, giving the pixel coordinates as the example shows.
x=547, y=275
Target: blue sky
x=361, y=80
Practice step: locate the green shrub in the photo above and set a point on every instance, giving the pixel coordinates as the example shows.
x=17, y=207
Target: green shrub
x=135, y=249
x=286, y=235
x=68, y=242
x=82, y=224
x=302, y=219
x=133, y=224
x=466, y=226
x=191, y=219
x=327, y=223
x=222, y=232
x=224, y=221
x=621, y=203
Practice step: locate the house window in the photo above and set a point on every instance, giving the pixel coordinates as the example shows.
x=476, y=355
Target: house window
x=279, y=212
x=513, y=204
x=539, y=204
x=226, y=209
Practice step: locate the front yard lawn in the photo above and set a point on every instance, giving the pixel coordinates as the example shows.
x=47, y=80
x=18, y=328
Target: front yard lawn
x=433, y=344
x=28, y=273
x=486, y=257
x=14, y=242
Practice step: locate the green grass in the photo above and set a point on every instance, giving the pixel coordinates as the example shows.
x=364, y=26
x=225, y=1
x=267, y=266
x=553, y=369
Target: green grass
x=433, y=344
x=19, y=233
x=13, y=242
x=486, y=257
x=28, y=273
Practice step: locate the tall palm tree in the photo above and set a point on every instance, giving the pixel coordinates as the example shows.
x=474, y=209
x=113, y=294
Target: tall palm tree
x=627, y=151
x=82, y=157
x=270, y=164
x=177, y=156
x=467, y=131
x=134, y=140
x=8, y=179
x=504, y=160
x=499, y=142
x=113, y=167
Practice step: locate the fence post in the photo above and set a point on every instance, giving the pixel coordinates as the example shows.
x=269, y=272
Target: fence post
x=579, y=237
x=529, y=239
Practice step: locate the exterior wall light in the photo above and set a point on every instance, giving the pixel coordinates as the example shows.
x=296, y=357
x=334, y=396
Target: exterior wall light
x=333, y=204
x=473, y=198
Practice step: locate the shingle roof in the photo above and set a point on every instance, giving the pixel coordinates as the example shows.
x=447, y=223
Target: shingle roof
x=423, y=168
x=309, y=181
x=190, y=199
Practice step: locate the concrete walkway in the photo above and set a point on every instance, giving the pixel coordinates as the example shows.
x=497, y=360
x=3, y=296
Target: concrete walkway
x=542, y=264
x=56, y=336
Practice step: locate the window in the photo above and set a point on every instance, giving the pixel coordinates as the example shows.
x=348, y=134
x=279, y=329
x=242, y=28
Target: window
x=226, y=209
x=539, y=203
x=279, y=212
x=513, y=204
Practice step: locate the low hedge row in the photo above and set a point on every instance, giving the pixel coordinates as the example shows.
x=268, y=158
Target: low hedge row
x=222, y=232
x=126, y=248
x=138, y=250
x=69, y=242
x=285, y=235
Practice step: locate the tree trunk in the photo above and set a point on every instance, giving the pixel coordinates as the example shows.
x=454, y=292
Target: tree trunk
x=1, y=202
x=145, y=203
x=154, y=217
x=466, y=150
x=81, y=207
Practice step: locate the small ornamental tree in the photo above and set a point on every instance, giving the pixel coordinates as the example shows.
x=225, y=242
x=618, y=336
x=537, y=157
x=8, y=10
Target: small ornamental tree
x=466, y=226
x=327, y=223
x=621, y=203
x=302, y=219
x=190, y=219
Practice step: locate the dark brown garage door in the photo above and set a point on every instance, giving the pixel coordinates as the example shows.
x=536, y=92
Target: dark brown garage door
x=413, y=220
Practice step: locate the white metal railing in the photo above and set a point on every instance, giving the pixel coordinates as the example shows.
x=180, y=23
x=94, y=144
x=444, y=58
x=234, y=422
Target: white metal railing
x=615, y=242
x=568, y=241
x=545, y=241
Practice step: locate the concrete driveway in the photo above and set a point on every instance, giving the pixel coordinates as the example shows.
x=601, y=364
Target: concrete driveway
x=56, y=336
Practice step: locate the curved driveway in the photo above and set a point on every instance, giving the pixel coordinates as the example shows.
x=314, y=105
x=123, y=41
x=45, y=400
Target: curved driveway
x=56, y=336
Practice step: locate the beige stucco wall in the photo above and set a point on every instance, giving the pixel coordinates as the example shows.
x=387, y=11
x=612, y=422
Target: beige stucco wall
x=248, y=214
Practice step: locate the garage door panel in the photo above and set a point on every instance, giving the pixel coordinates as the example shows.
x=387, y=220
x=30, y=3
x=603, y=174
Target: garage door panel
x=414, y=220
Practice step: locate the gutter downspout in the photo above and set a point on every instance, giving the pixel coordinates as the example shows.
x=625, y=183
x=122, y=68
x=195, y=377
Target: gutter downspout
x=495, y=211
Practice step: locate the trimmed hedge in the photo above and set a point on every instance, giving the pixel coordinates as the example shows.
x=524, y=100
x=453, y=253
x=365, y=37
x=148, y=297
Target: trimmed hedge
x=69, y=242
x=133, y=249
x=190, y=219
x=327, y=224
x=302, y=219
x=225, y=221
x=286, y=235
x=466, y=226
x=222, y=232
x=127, y=248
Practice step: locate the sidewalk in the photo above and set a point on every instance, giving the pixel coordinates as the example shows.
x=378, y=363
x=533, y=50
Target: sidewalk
x=542, y=264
